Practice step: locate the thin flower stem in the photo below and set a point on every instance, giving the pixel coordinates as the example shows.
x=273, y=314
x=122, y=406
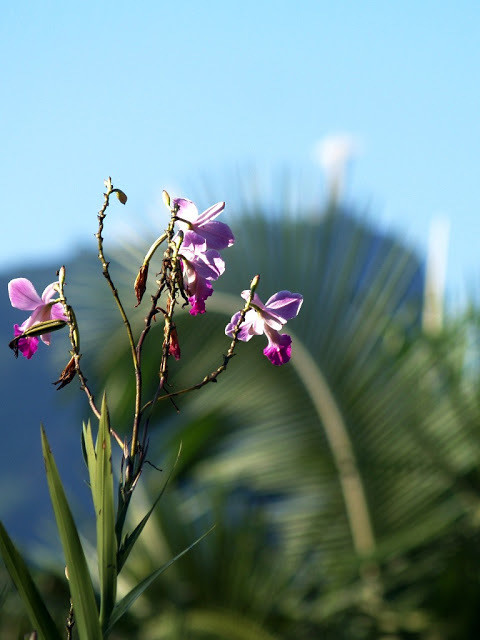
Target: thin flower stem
x=70, y=622
x=212, y=377
x=153, y=248
x=74, y=336
x=168, y=279
x=106, y=273
x=172, y=283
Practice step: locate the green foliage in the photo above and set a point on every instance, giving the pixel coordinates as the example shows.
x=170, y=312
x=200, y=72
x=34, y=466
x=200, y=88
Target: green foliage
x=83, y=595
x=36, y=608
x=105, y=517
x=362, y=451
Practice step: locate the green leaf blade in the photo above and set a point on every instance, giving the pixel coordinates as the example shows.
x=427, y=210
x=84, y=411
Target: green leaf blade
x=130, y=539
x=90, y=456
x=18, y=570
x=124, y=605
x=80, y=582
x=105, y=517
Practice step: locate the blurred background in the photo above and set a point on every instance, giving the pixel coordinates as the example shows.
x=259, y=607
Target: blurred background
x=345, y=486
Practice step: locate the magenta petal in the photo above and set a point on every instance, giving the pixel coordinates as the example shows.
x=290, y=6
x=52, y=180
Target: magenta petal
x=26, y=346
x=23, y=295
x=203, y=290
x=279, y=351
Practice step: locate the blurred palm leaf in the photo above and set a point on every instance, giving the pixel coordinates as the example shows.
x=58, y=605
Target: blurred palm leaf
x=360, y=449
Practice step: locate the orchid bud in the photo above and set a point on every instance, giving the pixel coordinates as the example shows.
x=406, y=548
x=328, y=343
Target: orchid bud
x=166, y=199
x=141, y=283
x=254, y=283
x=174, y=346
x=61, y=277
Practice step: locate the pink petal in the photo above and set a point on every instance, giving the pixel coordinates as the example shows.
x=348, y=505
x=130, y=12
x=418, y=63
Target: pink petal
x=23, y=295
x=57, y=312
x=49, y=292
x=186, y=209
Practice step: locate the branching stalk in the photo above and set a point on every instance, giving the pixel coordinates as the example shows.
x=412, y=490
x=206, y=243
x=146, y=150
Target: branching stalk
x=106, y=273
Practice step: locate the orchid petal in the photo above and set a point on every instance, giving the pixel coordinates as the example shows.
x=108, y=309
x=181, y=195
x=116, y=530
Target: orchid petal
x=57, y=312
x=26, y=346
x=203, y=290
x=279, y=348
x=269, y=318
x=49, y=292
x=208, y=265
x=218, y=235
x=23, y=295
x=248, y=328
x=255, y=300
x=193, y=241
x=285, y=305
x=41, y=314
x=186, y=209
x=210, y=213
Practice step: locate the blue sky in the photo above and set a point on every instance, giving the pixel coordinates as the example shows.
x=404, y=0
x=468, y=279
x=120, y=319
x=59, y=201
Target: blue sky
x=174, y=94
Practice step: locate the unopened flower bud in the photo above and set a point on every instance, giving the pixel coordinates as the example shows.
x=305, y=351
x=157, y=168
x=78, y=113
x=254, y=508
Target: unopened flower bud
x=166, y=198
x=61, y=277
x=254, y=283
x=174, y=346
x=141, y=283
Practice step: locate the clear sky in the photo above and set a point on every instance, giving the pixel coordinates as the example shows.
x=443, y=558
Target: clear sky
x=161, y=94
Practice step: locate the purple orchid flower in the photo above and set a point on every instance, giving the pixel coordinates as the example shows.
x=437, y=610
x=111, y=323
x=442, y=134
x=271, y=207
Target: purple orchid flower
x=269, y=318
x=217, y=235
x=200, y=266
x=23, y=296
